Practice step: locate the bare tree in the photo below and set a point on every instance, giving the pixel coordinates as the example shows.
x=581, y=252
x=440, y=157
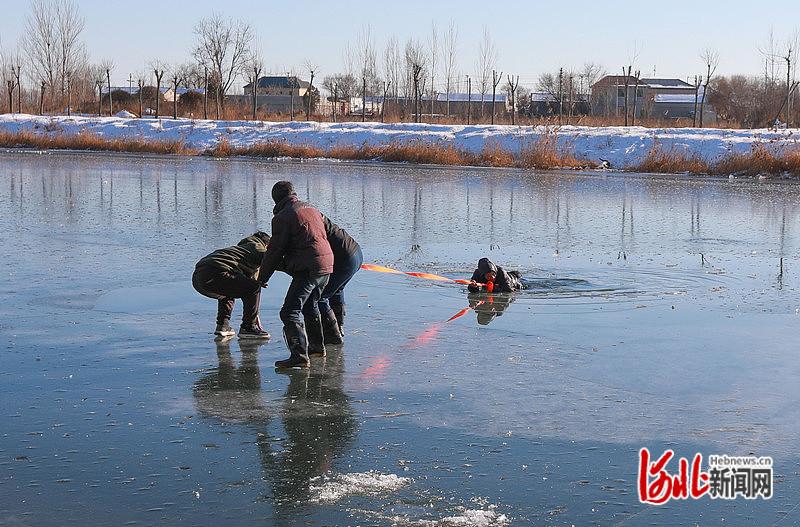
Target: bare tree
x=711, y=59
x=415, y=65
x=71, y=53
x=635, y=95
x=310, y=92
x=97, y=73
x=140, y=84
x=496, y=79
x=626, y=79
x=109, y=66
x=8, y=74
x=392, y=60
x=223, y=46
x=511, y=88
x=366, y=62
x=433, y=45
x=255, y=66
x=158, y=72
x=52, y=43
x=450, y=54
x=176, y=80
x=40, y=42
x=487, y=59
x=698, y=81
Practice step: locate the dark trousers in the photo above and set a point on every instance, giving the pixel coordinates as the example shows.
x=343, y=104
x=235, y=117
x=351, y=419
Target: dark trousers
x=225, y=287
x=302, y=297
x=343, y=271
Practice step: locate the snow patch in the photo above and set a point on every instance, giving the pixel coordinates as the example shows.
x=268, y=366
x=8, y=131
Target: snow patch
x=622, y=147
x=358, y=483
x=125, y=114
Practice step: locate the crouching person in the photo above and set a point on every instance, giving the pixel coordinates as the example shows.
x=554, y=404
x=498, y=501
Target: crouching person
x=298, y=246
x=347, y=260
x=493, y=279
x=228, y=274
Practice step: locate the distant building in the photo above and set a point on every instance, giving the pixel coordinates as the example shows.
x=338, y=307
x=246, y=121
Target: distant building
x=458, y=104
x=655, y=98
x=278, y=85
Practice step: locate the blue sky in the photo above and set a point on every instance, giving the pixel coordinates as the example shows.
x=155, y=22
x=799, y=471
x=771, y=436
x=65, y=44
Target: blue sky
x=531, y=36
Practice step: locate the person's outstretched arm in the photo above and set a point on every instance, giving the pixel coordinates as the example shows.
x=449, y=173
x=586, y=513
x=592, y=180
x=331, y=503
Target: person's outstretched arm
x=276, y=250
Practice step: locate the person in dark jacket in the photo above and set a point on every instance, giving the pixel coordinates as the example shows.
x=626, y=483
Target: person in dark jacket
x=347, y=260
x=228, y=274
x=494, y=279
x=299, y=246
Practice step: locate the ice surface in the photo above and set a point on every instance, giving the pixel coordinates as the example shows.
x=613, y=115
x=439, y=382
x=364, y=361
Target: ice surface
x=642, y=327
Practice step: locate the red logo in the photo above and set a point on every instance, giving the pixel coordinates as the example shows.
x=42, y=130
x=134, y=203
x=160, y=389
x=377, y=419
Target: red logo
x=657, y=486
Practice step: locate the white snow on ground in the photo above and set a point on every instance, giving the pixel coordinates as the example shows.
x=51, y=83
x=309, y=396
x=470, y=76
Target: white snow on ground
x=363, y=483
x=623, y=147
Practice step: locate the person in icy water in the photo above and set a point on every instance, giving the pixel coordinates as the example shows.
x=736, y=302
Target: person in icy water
x=231, y=273
x=347, y=260
x=496, y=279
x=299, y=246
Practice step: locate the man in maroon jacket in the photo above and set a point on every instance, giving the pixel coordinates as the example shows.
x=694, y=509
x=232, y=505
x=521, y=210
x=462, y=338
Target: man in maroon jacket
x=299, y=246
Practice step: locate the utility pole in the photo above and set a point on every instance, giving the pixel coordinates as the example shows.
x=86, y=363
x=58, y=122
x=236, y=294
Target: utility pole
x=363, y=99
x=335, y=102
x=788, y=86
x=99, y=84
x=10, y=84
x=291, y=93
x=495, y=81
x=469, y=99
x=560, y=94
x=16, y=73
x=110, y=102
x=383, y=104
x=140, y=83
x=205, y=92
x=310, y=93
x=41, y=99
x=69, y=95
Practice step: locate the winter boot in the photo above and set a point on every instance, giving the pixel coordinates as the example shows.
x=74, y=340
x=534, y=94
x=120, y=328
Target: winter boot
x=330, y=328
x=224, y=330
x=316, y=344
x=338, y=310
x=253, y=330
x=297, y=342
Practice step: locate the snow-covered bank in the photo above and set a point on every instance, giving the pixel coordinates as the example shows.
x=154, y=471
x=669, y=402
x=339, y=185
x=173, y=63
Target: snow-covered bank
x=623, y=147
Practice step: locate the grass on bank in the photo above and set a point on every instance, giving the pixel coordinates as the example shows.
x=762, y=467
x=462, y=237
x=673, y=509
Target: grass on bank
x=543, y=153
x=90, y=141
x=760, y=160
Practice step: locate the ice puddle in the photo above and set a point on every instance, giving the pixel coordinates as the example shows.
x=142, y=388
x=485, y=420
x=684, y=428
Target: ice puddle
x=330, y=489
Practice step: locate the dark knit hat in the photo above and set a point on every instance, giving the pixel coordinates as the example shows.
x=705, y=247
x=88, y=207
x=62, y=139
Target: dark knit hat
x=281, y=189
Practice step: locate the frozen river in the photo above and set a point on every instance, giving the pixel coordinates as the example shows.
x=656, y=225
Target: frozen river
x=662, y=313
